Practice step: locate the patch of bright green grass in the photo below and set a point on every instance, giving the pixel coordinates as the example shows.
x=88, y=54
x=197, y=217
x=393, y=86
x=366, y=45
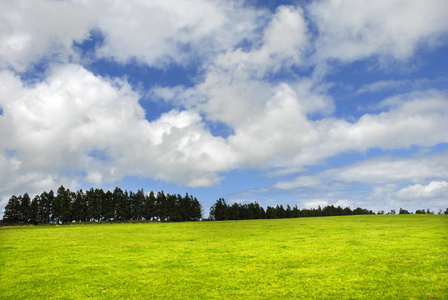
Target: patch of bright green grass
x=350, y=257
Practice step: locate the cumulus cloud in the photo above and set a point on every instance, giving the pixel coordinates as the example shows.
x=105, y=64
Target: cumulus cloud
x=95, y=126
x=352, y=30
x=165, y=32
x=156, y=33
x=433, y=190
x=25, y=39
x=376, y=182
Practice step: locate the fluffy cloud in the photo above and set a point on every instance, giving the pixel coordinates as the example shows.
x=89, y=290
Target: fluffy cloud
x=412, y=119
x=156, y=33
x=25, y=39
x=352, y=30
x=376, y=183
x=95, y=126
x=434, y=189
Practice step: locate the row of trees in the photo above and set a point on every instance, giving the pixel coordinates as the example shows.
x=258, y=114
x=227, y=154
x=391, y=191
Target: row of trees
x=222, y=211
x=96, y=205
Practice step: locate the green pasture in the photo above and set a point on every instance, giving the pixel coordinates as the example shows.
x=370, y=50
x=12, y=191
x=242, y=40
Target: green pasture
x=349, y=257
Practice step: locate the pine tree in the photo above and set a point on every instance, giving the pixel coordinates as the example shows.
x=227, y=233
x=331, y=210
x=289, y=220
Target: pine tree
x=121, y=202
x=150, y=206
x=34, y=210
x=45, y=207
x=25, y=203
x=12, y=210
x=161, y=206
x=108, y=206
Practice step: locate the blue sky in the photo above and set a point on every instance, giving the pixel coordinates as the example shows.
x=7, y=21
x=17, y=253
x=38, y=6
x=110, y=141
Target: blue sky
x=303, y=103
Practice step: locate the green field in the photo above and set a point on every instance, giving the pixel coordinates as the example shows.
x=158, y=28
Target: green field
x=350, y=257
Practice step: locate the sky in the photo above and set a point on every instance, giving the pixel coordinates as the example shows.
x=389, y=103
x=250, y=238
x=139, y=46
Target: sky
x=303, y=103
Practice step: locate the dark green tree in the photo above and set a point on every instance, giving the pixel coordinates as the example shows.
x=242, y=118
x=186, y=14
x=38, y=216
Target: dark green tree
x=12, y=211
x=45, y=207
x=195, y=209
x=403, y=212
x=108, y=206
x=219, y=211
x=25, y=203
x=271, y=213
x=162, y=209
x=295, y=212
x=150, y=207
x=64, y=200
x=93, y=199
x=281, y=213
x=137, y=201
x=79, y=207
x=34, y=210
x=122, y=202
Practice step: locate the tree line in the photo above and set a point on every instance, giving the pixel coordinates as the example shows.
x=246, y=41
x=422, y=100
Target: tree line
x=221, y=211
x=97, y=205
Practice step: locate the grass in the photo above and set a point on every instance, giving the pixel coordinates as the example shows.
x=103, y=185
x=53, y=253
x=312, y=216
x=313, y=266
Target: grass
x=351, y=257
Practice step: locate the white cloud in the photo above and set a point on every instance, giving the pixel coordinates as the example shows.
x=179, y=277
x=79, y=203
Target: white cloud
x=156, y=33
x=412, y=119
x=277, y=133
x=433, y=190
x=313, y=96
x=382, y=85
x=352, y=30
x=315, y=203
x=85, y=124
x=25, y=39
x=374, y=183
x=400, y=85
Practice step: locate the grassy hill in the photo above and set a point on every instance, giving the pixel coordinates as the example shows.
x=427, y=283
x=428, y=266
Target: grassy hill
x=350, y=257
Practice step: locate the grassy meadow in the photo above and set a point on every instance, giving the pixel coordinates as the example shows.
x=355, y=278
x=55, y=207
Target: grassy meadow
x=349, y=257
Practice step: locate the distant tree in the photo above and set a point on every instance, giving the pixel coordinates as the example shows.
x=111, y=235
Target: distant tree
x=57, y=205
x=170, y=208
x=122, y=202
x=80, y=207
x=392, y=212
x=380, y=212
x=446, y=211
x=420, y=212
x=93, y=199
x=195, y=209
x=429, y=212
x=271, y=213
x=34, y=210
x=348, y=211
x=45, y=207
x=403, y=212
x=64, y=198
x=150, y=206
x=137, y=204
x=219, y=211
x=281, y=213
x=25, y=203
x=162, y=209
x=12, y=212
x=295, y=212
x=108, y=206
